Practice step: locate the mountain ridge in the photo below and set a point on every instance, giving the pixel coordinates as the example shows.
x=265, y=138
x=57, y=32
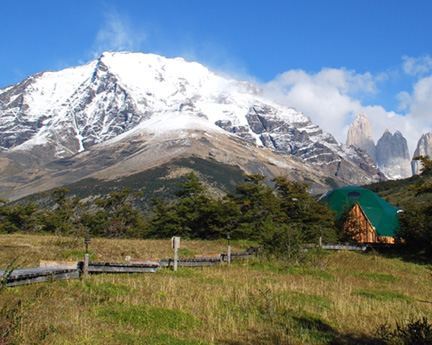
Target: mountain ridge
x=140, y=102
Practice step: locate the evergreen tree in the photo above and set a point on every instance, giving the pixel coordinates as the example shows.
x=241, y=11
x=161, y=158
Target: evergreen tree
x=299, y=209
x=195, y=214
x=116, y=216
x=15, y=218
x=65, y=218
x=257, y=205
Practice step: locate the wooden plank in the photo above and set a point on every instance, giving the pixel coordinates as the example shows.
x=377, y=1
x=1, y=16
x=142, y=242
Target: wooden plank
x=190, y=262
x=208, y=256
x=145, y=261
x=111, y=267
x=359, y=247
x=58, y=264
x=120, y=269
x=23, y=276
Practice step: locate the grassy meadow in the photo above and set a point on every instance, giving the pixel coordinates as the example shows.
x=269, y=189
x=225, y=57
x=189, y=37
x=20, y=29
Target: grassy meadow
x=333, y=298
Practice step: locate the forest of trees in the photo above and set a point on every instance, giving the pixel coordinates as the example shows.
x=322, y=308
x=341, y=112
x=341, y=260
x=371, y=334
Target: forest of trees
x=278, y=214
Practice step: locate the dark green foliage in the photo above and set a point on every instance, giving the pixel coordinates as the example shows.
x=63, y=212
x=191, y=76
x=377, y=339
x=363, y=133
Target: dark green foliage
x=256, y=204
x=300, y=210
x=281, y=217
x=415, y=332
x=416, y=224
x=416, y=220
x=65, y=218
x=424, y=185
x=116, y=217
x=294, y=218
x=15, y=218
x=194, y=215
x=282, y=241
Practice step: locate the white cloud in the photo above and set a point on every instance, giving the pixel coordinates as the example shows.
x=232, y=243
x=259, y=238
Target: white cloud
x=417, y=66
x=117, y=34
x=324, y=96
x=419, y=103
x=332, y=98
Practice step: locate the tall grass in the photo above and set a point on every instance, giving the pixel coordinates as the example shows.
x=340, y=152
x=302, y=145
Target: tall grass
x=342, y=300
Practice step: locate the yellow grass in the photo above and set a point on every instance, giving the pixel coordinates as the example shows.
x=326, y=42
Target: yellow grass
x=252, y=302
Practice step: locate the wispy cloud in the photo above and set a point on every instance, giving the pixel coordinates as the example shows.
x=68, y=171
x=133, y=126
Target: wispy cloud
x=417, y=66
x=117, y=33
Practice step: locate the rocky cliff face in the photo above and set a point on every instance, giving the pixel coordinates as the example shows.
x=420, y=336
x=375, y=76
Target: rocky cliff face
x=360, y=135
x=424, y=147
x=52, y=117
x=392, y=155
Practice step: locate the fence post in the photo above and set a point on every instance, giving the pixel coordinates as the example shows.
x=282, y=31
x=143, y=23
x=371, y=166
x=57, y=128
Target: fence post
x=320, y=238
x=86, y=264
x=175, y=241
x=229, y=251
x=86, y=256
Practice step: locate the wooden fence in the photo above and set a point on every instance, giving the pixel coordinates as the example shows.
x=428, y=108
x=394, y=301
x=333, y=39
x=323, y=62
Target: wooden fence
x=58, y=270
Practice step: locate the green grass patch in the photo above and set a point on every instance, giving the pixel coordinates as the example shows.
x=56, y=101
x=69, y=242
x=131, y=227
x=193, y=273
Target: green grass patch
x=382, y=295
x=154, y=339
x=182, y=272
x=372, y=276
x=145, y=317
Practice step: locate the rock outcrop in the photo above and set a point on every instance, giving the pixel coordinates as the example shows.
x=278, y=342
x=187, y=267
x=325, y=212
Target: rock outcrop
x=360, y=135
x=392, y=155
x=424, y=147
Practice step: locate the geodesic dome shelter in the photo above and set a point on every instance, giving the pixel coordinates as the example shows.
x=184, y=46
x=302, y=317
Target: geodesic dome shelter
x=370, y=218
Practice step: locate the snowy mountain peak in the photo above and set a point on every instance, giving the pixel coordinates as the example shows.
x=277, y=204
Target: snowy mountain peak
x=55, y=115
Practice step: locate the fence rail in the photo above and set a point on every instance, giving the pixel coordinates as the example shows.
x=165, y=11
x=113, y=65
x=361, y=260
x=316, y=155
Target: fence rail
x=58, y=270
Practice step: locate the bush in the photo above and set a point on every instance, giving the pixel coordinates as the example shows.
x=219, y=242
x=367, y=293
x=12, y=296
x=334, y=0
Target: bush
x=417, y=332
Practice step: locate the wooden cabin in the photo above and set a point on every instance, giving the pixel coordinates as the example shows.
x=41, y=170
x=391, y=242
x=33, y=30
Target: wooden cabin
x=370, y=219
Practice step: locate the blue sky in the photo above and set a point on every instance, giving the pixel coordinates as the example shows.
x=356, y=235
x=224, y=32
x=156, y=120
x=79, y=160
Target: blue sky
x=329, y=59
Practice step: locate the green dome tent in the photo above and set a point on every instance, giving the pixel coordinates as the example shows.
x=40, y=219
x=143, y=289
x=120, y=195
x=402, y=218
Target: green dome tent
x=377, y=219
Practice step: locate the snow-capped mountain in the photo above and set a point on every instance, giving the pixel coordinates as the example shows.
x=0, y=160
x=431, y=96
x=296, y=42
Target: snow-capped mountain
x=126, y=98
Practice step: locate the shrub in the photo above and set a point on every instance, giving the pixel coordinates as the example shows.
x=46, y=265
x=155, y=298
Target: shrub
x=415, y=332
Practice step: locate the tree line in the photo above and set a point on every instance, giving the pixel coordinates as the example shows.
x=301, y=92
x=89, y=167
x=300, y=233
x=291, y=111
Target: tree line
x=279, y=214
x=255, y=209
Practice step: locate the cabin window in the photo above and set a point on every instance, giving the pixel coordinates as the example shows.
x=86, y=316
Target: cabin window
x=354, y=195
